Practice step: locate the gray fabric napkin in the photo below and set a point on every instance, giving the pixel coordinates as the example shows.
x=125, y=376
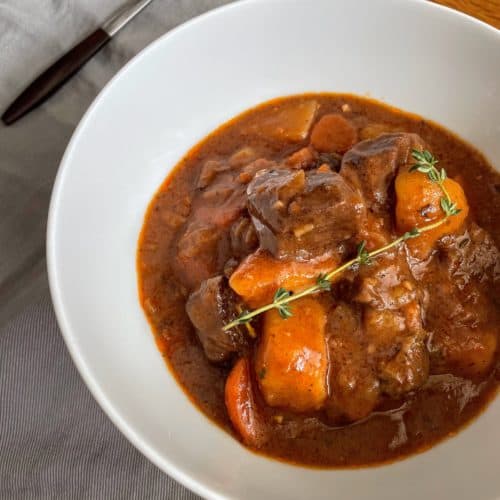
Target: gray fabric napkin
x=33, y=34
x=55, y=441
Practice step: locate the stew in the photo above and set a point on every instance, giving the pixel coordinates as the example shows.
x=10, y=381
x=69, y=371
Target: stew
x=322, y=276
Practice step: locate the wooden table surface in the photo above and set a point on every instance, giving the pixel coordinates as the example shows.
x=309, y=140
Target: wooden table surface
x=485, y=10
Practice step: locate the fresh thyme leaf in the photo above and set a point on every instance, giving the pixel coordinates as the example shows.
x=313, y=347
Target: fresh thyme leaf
x=323, y=282
x=262, y=373
x=434, y=175
x=363, y=255
x=448, y=207
x=424, y=158
x=445, y=206
x=285, y=311
x=425, y=163
x=281, y=293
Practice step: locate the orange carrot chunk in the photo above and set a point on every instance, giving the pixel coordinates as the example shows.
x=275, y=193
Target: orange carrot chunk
x=258, y=277
x=418, y=204
x=333, y=133
x=241, y=406
x=292, y=360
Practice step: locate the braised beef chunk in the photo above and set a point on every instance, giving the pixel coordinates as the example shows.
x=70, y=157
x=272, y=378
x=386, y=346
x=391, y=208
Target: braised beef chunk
x=354, y=385
x=202, y=251
x=392, y=322
x=377, y=339
x=471, y=257
x=209, y=308
x=463, y=281
x=371, y=165
x=302, y=214
x=243, y=237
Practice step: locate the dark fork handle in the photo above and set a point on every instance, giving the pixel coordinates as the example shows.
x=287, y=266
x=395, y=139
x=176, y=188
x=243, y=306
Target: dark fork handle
x=55, y=76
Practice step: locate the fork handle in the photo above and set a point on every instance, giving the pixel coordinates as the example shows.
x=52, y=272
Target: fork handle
x=56, y=76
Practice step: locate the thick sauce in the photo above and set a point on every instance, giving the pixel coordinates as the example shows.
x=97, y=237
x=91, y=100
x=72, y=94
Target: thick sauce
x=398, y=427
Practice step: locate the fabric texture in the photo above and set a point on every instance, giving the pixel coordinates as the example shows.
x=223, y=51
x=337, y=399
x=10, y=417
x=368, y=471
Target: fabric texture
x=33, y=34
x=55, y=441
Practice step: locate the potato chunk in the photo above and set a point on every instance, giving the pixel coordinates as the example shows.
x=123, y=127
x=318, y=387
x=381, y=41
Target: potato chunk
x=418, y=204
x=290, y=122
x=292, y=360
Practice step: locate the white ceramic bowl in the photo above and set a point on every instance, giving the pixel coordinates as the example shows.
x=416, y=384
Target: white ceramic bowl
x=412, y=54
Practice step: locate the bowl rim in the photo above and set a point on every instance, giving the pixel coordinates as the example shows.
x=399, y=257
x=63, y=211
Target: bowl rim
x=166, y=464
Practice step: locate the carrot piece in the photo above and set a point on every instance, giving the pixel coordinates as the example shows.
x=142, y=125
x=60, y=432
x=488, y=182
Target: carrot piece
x=418, y=204
x=241, y=406
x=333, y=133
x=292, y=360
x=257, y=278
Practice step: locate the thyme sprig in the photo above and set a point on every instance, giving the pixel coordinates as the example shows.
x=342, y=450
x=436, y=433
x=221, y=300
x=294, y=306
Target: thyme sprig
x=425, y=163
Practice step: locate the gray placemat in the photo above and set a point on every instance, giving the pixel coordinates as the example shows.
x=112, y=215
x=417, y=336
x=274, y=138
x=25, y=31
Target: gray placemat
x=55, y=441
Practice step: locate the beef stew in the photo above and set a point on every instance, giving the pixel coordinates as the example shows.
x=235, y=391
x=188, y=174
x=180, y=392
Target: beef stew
x=381, y=360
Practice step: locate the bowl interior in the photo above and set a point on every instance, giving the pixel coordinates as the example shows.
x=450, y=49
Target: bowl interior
x=411, y=54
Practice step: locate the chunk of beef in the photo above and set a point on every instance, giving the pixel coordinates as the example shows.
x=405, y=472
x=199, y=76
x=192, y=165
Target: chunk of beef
x=304, y=214
x=463, y=314
x=202, y=251
x=464, y=326
x=377, y=341
x=243, y=237
x=209, y=308
x=392, y=322
x=371, y=165
x=212, y=234
x=353, y=382
x=472, y=257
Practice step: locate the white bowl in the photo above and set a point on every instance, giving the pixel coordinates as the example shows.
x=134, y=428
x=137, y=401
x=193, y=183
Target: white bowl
x=412, y=54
